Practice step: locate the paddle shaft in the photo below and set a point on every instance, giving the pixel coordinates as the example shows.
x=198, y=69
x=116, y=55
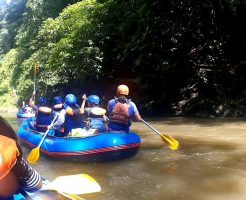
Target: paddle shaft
x=171, y=142
x=34, y=90
x=151, y=127
x=71, y=196
x=34, y=81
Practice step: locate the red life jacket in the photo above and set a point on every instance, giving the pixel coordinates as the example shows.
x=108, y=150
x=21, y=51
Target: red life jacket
x=120, y=113
x=8, y=155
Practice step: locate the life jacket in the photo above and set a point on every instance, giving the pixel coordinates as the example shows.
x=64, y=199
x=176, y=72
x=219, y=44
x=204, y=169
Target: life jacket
x=8, y=155
x=43, y=117
x=7, y=131
x=73, y=119
x=57, y=108
x=120, y=113
x=96, y=120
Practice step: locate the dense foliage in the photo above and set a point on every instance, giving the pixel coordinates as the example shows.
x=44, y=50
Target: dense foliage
x=179, y=57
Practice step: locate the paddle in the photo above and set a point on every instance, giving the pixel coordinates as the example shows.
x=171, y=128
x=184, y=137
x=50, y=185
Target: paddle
x=34, y=154
x=34, y=81
x=171, y=142
x=71, y=196
x=73, y=185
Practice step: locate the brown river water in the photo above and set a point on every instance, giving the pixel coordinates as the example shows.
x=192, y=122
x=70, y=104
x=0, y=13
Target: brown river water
x=210, y=164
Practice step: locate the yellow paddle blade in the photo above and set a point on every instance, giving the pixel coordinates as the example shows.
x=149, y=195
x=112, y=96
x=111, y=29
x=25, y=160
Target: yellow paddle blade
x=74, y=184
x=171, y=142
x=33, y=156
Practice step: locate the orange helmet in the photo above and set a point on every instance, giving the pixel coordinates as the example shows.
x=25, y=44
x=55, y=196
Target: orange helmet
x=8, y=155
x=123, y=90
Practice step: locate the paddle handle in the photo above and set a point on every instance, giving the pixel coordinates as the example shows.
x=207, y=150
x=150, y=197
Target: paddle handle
x=151, y=127
x=53, y=121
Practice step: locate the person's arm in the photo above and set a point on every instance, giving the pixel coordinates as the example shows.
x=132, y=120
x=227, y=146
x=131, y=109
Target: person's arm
x=23, y=104
x=28, y=178
x=8, y=185
x=32, y=102
x=110, y=105
x=137, y=116
x=60, y=120
x=83, y=103
x=105, y=118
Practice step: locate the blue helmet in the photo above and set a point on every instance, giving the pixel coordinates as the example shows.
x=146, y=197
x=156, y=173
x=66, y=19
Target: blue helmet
x=57, y=100
x=70, y=100
x=93, y=99
x=42, y=100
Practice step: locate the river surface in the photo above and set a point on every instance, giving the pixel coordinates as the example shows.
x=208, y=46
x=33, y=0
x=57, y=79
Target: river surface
x=210, y=164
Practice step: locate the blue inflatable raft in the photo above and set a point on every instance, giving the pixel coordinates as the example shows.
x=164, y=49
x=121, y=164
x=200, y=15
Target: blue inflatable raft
x=108, y=146
x=21, y=114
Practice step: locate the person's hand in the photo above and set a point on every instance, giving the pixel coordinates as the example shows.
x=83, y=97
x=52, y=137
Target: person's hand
x=84, y=97
x=82, y=110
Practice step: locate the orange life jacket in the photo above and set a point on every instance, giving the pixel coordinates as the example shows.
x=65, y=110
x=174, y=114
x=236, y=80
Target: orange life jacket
x=8, y=155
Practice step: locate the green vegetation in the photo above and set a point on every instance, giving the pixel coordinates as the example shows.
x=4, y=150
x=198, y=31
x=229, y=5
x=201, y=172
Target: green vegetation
x=178, y=57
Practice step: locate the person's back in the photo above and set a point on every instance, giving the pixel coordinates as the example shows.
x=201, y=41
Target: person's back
x=95, y=115
x=73, y=118
x=43, y=114
x=15, y=172
x=122, y=111
x=70, y=117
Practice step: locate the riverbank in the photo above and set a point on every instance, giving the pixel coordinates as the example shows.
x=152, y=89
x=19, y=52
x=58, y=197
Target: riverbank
x=8, y=110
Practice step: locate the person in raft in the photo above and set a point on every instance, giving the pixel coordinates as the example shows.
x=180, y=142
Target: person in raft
x=121, y=111
x=43, y=113
x=25, y=108
x=94, y=115
x=69, y=118
x=57, y=105
x=16, y=174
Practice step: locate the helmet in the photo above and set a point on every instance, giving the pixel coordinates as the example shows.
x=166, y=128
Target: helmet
x=70, y=100
x=42, y=100
x=93, y=99
x=122, y=89
x=57, y=99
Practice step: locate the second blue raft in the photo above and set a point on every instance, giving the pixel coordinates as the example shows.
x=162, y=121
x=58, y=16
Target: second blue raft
x=21, y=114
x=108, y=146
